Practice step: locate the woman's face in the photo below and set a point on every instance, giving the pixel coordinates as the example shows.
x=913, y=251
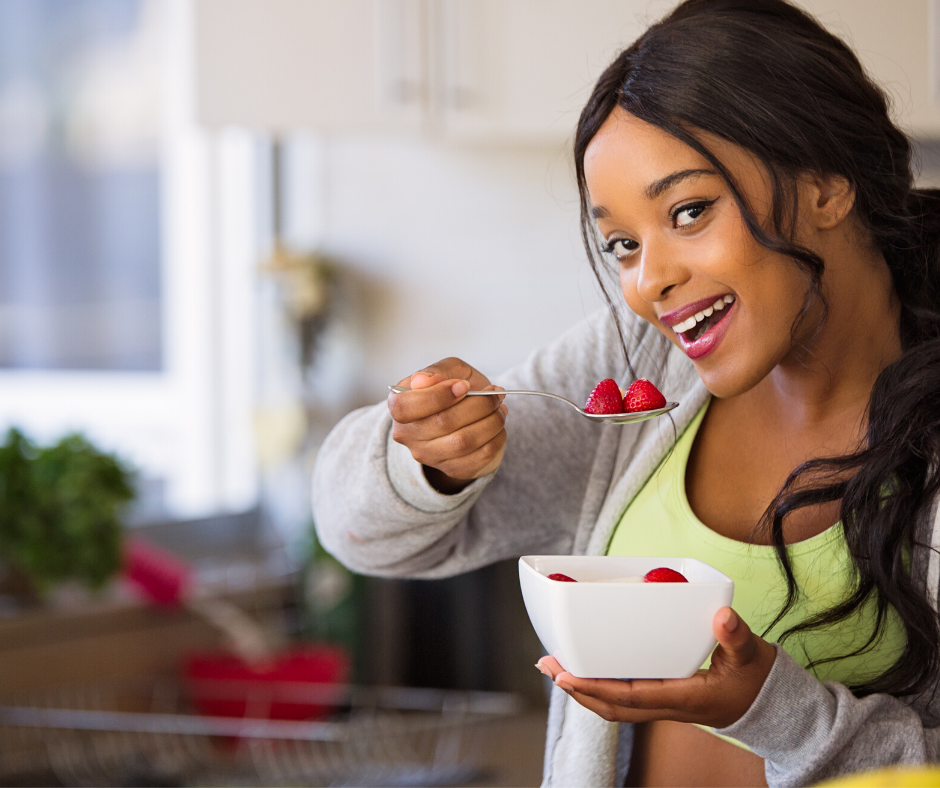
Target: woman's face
x=687, y=262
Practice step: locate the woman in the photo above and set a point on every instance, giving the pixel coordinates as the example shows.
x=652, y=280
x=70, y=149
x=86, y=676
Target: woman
x=740, y=175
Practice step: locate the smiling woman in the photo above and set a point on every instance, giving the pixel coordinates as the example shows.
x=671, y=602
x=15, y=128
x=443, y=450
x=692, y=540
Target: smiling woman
x=741, y=179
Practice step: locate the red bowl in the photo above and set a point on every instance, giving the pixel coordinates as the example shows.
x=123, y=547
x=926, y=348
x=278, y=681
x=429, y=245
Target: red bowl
x=301, y=684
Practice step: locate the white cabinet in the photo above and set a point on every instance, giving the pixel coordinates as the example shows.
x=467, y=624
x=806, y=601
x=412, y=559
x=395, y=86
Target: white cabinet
x=327, y=65
x=482, y=70
x=523, y=69
x=498, y=70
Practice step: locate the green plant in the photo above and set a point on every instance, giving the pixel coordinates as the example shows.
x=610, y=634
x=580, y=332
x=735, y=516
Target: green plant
x=59, y=510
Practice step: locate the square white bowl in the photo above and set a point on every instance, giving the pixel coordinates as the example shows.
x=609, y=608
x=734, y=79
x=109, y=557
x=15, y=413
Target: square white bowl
x=623, y=630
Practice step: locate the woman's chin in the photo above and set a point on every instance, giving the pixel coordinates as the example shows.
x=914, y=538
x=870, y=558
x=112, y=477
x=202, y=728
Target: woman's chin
x=726, y=381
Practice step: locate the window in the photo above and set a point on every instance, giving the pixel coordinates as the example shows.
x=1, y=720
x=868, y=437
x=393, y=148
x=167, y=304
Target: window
x=127, y=309
x=80, y=142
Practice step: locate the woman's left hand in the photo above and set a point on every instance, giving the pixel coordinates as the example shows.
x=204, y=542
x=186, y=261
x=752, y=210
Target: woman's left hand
x=716, y=697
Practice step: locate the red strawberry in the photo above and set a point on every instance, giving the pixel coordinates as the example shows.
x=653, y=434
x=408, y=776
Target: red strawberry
x=642, y=395
x=606, y=398
x=561, y=577
x=663, y=575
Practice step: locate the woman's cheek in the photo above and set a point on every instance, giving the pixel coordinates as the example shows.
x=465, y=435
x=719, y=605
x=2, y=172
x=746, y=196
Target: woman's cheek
x=637, y=304
x=628, y=288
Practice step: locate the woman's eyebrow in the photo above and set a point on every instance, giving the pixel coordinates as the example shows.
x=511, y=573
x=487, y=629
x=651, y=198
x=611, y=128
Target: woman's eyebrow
x=658, y=188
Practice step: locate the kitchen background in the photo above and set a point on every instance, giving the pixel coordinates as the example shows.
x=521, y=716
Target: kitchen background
x=226, y=223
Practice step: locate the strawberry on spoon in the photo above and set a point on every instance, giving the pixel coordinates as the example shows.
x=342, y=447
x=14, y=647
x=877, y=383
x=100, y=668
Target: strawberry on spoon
x=606, y=398
x=642, y=395
x=562, y=578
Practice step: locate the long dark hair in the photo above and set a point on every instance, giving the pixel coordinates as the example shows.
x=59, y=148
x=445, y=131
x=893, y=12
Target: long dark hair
x=767, y=77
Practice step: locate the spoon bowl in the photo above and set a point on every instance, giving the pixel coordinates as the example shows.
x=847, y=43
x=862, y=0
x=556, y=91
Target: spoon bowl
x=602, y=418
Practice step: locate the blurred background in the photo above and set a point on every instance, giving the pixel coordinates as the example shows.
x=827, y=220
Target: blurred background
x=224, y=224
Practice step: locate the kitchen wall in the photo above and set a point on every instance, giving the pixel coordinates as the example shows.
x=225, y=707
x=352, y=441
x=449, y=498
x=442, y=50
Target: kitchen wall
x=451, y=251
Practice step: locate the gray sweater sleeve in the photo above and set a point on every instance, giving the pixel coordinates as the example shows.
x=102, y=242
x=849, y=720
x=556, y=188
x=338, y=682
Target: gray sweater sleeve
x=375, y=511
x=809, y=731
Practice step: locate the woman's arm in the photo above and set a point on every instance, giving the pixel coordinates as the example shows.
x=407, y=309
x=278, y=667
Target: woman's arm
x=806, y=730
x=809, y=731
x=375, y=510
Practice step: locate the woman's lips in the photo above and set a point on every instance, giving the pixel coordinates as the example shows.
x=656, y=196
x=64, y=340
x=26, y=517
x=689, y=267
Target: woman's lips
x=710, y=339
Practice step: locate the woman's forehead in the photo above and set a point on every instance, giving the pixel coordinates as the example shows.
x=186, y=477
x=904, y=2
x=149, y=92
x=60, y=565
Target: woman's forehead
x=637, y=147
x=629, y=156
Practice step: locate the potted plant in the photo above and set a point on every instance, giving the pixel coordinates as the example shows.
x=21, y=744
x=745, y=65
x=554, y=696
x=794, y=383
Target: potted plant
x=60, y=511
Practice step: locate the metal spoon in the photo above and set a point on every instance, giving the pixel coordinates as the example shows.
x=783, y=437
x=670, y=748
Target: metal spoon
x=603, y=418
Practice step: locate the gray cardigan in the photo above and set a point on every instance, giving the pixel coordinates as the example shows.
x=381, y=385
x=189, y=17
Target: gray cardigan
x=561, y=488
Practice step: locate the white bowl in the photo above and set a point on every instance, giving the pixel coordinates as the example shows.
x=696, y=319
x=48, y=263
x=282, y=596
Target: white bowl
x=623, y=630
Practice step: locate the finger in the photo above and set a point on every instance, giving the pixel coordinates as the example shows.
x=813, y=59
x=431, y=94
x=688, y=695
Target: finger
x=445, y=369
x=462, y=413
x=614, y=713
x=471, y=465
x=737, y=643
x=492, y=388
x=421, y=380
x=411, y=406
x=684, y=696
x=549, y=666
x=463, y=441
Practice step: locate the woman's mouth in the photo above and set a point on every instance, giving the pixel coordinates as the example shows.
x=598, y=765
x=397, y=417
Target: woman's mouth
x=699, y=333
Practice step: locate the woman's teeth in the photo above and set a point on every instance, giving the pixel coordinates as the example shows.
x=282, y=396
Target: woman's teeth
x=698, y=317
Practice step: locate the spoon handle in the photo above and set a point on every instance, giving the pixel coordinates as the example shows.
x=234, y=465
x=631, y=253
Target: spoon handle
x=402, y=389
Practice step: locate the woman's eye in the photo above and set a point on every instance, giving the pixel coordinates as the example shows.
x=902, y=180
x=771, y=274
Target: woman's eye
x=622, y=247
x=687, y=214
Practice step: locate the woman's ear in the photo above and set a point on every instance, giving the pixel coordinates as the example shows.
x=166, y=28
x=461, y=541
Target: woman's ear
x=829, y=200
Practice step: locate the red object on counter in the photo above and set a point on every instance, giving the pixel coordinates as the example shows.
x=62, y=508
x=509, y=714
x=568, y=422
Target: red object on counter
x=292, y=686
x=159, y=575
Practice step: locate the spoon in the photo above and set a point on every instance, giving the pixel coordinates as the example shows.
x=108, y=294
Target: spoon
x=603, y=418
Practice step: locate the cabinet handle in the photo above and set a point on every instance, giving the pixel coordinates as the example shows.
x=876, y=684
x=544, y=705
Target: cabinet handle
x=401, y=51
x=458, y=40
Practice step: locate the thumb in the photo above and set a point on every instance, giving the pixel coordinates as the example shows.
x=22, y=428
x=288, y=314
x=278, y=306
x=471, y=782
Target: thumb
x=445, y=369
x=423, y=380
x=735, y=639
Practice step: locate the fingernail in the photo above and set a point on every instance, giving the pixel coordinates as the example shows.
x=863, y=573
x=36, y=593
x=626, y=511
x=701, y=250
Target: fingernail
x=504, y=409
x=562, y=686
x=731, y=621
x=543, y=669
x=460, y=388
x=422, y=374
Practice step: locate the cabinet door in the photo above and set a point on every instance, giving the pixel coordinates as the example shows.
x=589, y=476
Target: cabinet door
x=350, y=66
x=899, y=44
x=521, y=70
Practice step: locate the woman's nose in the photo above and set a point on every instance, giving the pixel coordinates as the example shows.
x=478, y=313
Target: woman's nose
x=658, y=274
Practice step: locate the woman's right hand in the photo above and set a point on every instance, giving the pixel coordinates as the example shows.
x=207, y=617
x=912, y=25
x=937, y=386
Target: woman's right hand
x=457, y=438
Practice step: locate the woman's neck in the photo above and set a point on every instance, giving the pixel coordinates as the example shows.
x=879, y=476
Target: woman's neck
x=830, y=375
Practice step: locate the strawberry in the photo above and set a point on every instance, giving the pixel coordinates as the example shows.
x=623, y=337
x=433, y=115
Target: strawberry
x=563, y=578
x=663, y=575
x=606, y=398
x=642, y=395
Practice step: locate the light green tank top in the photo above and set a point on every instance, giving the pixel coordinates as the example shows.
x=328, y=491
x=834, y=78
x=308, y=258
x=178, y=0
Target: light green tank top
x=660, y=522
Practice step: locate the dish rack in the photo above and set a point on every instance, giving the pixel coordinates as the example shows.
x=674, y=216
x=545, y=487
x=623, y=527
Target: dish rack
x=145, y=733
